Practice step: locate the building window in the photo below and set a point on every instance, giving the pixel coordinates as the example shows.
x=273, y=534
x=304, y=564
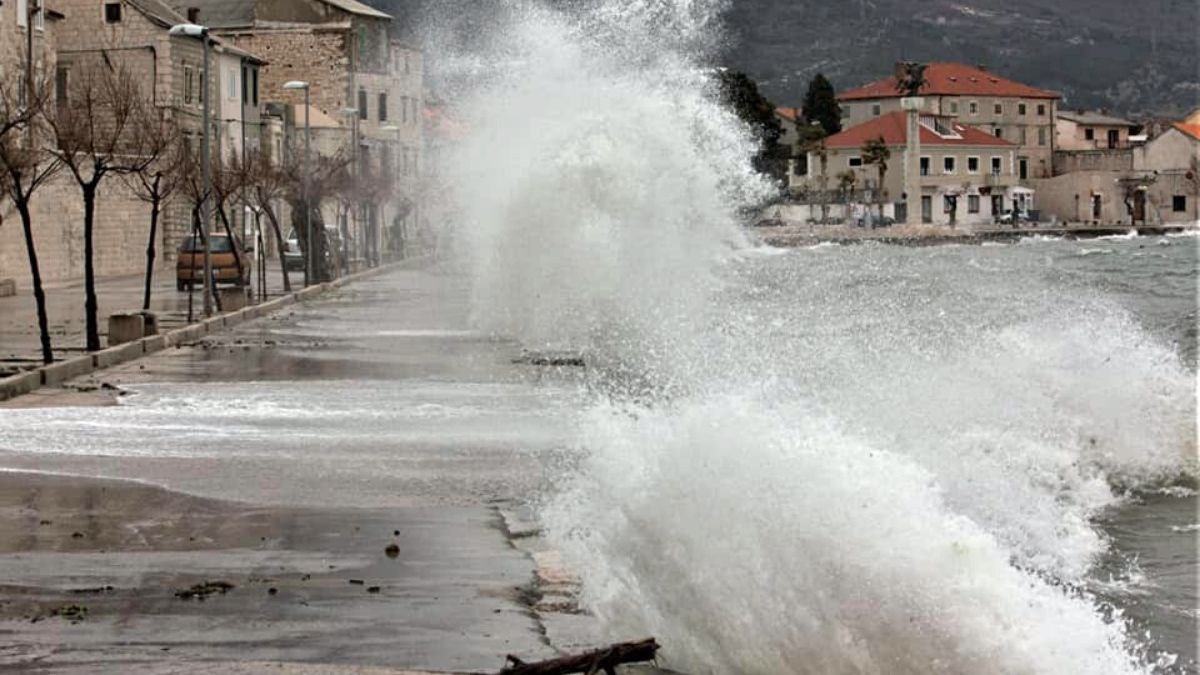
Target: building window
x=22, y=12
x=245, y=87
x=231, y=90
x=362, y=104
x=39, y=17
x=947, y=165
x=876, y=110
x=999, y=132
x=854, y=161
x=62, y=78
x=254, y=85
x=973, y=107
x=972, y=165
x=383, y=110
x=999, y=108
x=953, y=107
x=1041, y=109
x=1021, y=109
x=948, y=204
x=1041, y=135
x=112, y=12
x=972, y=203
x=1021, y=135
x=1089, y=134
x=1179, y=203
x=997, y=166
x=925, y=166
x=188, y=82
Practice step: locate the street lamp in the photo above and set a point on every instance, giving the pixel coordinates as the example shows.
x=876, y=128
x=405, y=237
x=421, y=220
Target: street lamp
x=309, y=272
x=195, y=31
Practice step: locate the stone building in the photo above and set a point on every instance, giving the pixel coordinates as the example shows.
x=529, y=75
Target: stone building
x=1159, y=187
x=1090, y=130
x=1018, y=113
x=968, y=176
x=358, y=76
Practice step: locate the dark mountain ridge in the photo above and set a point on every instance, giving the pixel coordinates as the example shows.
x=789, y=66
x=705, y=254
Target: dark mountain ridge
x=1135, y=58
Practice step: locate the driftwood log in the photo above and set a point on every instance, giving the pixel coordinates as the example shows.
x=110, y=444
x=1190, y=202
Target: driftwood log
x=589, y=663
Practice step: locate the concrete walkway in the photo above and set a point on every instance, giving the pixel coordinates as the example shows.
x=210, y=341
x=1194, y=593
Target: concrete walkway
x=20, y=346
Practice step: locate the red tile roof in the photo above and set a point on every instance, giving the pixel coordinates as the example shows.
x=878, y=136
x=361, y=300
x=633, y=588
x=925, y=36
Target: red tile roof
x=1192, y=130
x=893, y=128
x=951, y=79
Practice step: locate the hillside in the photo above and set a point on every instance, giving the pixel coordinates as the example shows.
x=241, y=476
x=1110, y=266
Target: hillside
x=1131, y=57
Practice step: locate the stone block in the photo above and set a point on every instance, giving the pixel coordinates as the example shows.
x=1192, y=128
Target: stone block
x=55, y=374
x=106, y=358
x=150, y=322
x=21, y=383
x=125, y=327
x=232, y=299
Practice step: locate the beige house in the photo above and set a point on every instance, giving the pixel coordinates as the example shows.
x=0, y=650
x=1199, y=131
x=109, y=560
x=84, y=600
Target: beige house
x=1018, y=113
x=1087, y=130
x=1160, y=188
x=359, y=78
x=968, y=176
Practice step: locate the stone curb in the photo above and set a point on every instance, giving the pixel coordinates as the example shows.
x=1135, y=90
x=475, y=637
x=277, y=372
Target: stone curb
x=55, y=374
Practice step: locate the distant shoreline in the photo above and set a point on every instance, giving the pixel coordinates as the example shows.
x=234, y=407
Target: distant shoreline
x=807, y=235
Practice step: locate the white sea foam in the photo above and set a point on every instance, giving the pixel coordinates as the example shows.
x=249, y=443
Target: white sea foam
x=887, y=466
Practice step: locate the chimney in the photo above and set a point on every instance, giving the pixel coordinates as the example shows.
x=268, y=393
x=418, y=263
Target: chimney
x=193, y=15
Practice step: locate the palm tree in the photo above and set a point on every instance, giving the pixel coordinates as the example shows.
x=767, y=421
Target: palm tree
x=876, y=151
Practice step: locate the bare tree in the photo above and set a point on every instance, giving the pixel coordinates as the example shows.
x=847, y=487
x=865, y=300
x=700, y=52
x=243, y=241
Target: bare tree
x=96, y=135
x=268, y=186
x=228, y=179
x=157, y=177
x=325, y=174
x=24, y=167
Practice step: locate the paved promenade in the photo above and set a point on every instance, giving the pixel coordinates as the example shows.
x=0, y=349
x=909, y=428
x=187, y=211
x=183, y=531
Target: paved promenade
x=20, y=346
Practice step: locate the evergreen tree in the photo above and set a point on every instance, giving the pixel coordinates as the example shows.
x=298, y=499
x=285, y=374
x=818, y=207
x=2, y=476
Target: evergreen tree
x=741, y=93
x=820, y=105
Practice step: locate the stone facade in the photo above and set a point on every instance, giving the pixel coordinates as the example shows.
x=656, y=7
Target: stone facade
x=1009, y=110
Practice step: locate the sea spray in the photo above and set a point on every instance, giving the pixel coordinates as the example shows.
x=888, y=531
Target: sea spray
x=845, y=460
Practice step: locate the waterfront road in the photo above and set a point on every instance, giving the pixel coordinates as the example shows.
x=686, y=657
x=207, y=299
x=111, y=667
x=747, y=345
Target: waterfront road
x=342, y=485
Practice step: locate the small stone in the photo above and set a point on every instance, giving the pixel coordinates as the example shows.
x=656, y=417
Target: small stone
x=373, y=589
x=77, y=535
x=392, y=551
x=272, y=591
x=357, y=582
x=395, y=533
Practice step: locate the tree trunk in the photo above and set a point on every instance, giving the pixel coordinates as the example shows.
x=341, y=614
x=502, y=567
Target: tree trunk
x=237, y=253
x=279, y=244
x=90, y=306
x=39, y=294
x=191, y=282
x=150, y=249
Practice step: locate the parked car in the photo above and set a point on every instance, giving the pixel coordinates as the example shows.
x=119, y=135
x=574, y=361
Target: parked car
x=224, y=254
x=293, y=257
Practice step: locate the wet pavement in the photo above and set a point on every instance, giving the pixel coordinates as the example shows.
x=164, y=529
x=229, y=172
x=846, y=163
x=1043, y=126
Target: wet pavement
x=20, y=345
x=289, y=454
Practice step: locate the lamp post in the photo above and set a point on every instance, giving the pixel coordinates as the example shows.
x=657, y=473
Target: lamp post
x=201, y=32
x=309, y=268
x=353, y=115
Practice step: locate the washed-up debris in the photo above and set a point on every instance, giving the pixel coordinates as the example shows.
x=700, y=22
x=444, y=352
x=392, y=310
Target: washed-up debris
x=93, y=591
x=72, y=613
x=373, y=589
x=606, y=659
x=357, y=582
x=202, y=591
x=551, y=358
